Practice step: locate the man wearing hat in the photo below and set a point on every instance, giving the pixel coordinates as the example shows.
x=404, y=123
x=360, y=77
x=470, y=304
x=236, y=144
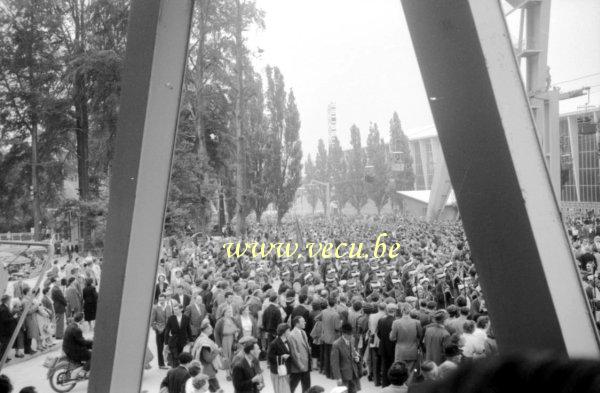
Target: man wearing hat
x=345, y=361
x=435, y=338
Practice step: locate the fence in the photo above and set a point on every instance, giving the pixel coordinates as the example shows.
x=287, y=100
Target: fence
x=25, y=236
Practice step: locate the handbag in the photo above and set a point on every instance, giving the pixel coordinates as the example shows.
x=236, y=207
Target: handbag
x=218, y=362
x=281, y=368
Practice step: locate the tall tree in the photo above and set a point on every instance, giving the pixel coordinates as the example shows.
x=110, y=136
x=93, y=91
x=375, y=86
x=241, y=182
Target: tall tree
x=291, y=163
x=402, y=169
x=356, y=171
x=93, y=36
x=338, y=168
x=378, y=187
x=257, y=150
x=29, y=66
x=322, y=173
x=275, y=100
x=312, y=192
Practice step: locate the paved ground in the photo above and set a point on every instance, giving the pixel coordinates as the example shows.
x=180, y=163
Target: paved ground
x=33, y=373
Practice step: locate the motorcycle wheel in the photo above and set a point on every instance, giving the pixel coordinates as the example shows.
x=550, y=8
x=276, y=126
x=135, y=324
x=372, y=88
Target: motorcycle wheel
x=60, y=379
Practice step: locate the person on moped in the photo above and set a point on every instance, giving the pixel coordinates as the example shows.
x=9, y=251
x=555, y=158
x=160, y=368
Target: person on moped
x=77, y=348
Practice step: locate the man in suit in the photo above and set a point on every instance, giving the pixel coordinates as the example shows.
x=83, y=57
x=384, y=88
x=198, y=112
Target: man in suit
x=178, y=376
x=300, y=351
x=244, y=376
x=345, y=361
x=407, y=334
x=330, y=323
x=386, y=346
x=7, y=323
x=271, y=318
x=177, y=333
x=74, y=345
x=181, y=297
x=74, y=298
x=60, y=307
x=158, y=322
x=196, y=312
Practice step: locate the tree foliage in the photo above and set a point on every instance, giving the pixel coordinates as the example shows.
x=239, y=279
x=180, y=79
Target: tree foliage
x=357, y=187
x=404, y=179
x=378, y=185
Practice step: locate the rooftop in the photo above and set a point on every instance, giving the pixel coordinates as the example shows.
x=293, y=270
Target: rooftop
x=423, y=196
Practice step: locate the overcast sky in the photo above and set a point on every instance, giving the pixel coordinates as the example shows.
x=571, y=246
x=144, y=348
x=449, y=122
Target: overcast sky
x=358, y=54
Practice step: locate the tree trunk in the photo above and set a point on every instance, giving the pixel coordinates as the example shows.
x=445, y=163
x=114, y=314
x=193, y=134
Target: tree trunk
x=199, y=80
x=259, y=214
x=34, y=179
x=238, y=125
x=82, y=127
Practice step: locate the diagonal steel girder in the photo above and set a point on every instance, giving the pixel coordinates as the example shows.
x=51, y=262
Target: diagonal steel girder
x=157, y=41
x=509, y=212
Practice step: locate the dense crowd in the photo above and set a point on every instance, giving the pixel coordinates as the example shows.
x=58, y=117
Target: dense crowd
x=422, y=312
x=392, y=321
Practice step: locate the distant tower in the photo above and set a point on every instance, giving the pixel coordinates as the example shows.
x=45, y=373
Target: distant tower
x=331, y=122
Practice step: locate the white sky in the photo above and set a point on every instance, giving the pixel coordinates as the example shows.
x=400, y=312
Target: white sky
x=358, y=53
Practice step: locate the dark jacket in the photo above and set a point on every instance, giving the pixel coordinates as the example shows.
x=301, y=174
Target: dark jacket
x=175, y=334
x=277, y=348
x=271, y=319
x=302, y=311
x=7, y=321
x=186, y=300
x=176, y=379
x=58, y=298
x=74, y=345
x=384, y=328
x=241, y=375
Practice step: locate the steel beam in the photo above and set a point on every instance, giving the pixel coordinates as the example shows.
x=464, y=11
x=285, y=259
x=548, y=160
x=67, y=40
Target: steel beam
x=508, y=208
x=440, y=190
x=157, y=41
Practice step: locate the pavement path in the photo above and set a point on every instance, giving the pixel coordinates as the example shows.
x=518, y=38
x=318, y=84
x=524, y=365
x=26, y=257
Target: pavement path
x=32, y=372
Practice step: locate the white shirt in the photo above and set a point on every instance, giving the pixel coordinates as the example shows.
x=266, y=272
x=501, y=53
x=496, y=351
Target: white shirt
x=179, y=319
x=246, y=326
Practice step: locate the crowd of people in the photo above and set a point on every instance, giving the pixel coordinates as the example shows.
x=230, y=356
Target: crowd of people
x=388, y=322
x=351, y=320
x=69, y=288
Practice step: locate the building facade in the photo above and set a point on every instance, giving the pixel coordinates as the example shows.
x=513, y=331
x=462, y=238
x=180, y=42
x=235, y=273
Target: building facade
x=579, y=149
